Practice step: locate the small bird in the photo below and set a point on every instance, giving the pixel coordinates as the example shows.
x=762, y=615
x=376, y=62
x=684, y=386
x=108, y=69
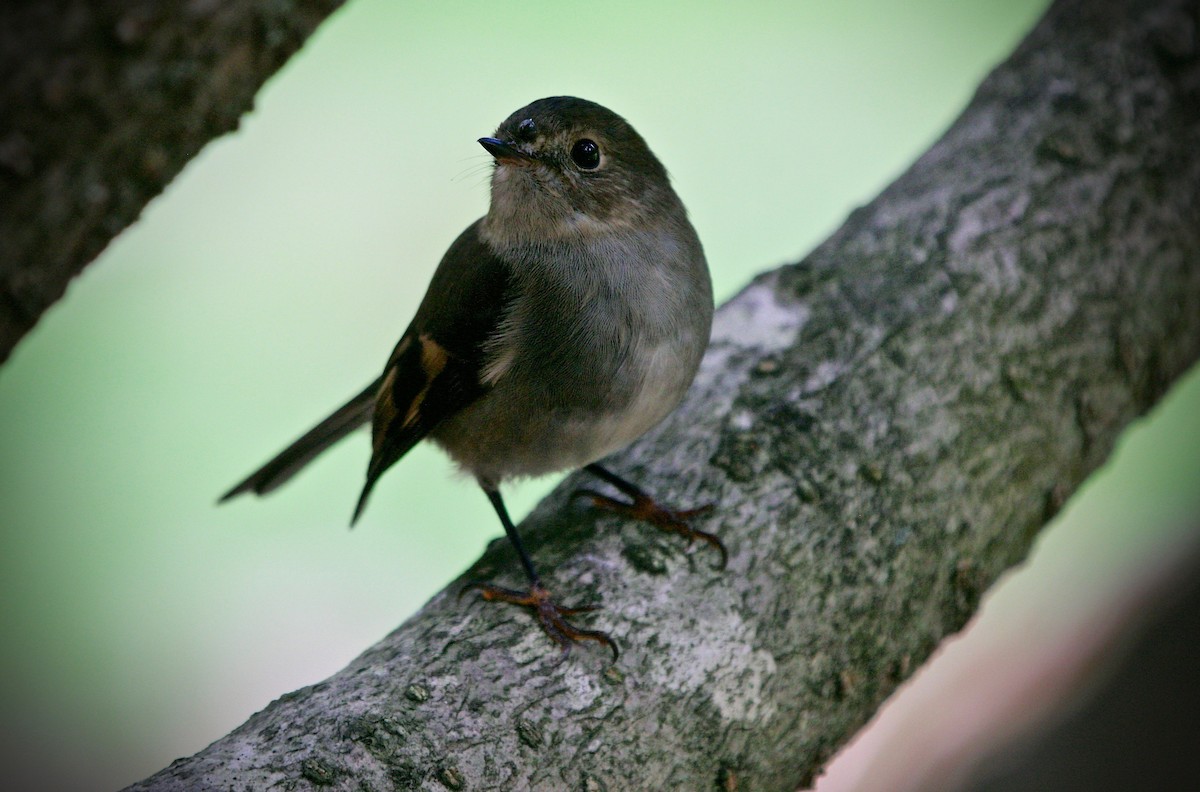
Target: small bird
x=557, y=329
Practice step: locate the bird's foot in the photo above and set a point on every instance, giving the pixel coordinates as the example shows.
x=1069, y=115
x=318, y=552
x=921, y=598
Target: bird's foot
x=549, y=614
x=646, y=509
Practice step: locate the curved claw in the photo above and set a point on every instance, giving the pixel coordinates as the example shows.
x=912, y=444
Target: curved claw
x=646, y=509
x=715, y=541
x=550, y=615
x=675, y=522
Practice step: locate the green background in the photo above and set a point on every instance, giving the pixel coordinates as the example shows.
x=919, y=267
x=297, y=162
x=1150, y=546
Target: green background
x=272, y=278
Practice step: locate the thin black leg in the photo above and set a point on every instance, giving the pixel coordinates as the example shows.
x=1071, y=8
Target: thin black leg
x=550, y=614
x=511, y=531
x=628, y=487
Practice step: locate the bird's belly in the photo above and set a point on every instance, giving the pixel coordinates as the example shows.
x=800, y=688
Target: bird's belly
x=529, y=431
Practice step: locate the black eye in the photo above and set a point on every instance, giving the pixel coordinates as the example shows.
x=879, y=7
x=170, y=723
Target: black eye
x=527, y=130
x=586, y=154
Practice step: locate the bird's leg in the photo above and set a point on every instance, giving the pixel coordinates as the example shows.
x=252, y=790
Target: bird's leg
x=549, y=614
x=645, y=508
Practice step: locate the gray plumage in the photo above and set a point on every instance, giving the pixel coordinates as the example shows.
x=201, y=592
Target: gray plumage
x=557, y=329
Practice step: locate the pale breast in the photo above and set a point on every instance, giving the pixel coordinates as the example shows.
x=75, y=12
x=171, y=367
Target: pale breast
x=586, y=360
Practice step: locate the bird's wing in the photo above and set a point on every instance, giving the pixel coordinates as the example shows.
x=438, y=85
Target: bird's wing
x=433, y=372
x=436, y=368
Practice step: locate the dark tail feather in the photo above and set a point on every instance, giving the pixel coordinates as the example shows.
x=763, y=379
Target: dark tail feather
x=372, y=477
x=387, y=456
x=289, y=462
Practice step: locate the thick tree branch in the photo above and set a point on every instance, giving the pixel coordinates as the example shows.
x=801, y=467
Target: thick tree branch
x=885, y=427
x=102, y=102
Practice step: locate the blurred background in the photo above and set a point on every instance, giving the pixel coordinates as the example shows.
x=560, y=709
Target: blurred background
x=140, y=622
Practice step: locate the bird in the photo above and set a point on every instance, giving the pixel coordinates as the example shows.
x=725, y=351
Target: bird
x=556, y=330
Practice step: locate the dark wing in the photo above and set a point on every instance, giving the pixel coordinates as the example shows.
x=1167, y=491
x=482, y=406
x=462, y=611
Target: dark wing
x=435, y=370
x=292, y=459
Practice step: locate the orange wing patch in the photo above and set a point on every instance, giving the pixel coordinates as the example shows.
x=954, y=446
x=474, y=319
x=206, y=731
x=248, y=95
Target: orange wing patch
x=433, y=360
x=385, y=410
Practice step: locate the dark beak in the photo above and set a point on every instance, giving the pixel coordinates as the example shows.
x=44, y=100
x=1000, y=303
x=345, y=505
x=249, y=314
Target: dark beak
x=504, y=152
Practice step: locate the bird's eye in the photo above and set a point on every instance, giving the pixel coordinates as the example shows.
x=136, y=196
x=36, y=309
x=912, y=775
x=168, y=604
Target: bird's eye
x=586, y=154
x=527, y=129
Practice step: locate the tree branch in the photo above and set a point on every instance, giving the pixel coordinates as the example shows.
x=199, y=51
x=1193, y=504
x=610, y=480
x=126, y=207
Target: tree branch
x=104, y=102
x=885, y=427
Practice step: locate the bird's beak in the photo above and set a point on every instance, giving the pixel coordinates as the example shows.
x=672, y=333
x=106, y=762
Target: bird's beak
x=505, y=152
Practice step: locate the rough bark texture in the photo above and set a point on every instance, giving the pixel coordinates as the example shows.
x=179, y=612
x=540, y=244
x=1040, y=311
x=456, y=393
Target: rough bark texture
x=102, y=102
x=886, y=426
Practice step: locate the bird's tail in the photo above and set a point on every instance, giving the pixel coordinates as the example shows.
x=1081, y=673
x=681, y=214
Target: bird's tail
x=289, y=462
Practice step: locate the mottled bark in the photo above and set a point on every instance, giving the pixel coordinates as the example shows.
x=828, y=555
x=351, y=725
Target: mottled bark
x=102, y=102
x=885, y=427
